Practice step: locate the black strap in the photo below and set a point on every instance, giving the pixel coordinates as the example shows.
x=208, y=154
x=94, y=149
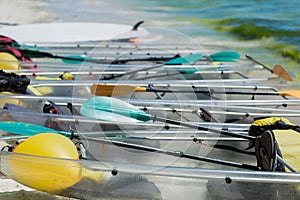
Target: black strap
x=13, y=83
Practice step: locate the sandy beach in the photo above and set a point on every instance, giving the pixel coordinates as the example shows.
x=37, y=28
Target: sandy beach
x=23, y=12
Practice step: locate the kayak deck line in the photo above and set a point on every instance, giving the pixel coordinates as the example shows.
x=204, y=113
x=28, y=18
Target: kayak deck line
x=244, y=104
x=83, y=119
x=183, y=172
x=234, y=175
x=200, y=103
x=127, y=45
x=214, y=102
x=94, y=72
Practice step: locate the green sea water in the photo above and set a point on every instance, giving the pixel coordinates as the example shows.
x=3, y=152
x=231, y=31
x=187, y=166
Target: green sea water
x=266, y=29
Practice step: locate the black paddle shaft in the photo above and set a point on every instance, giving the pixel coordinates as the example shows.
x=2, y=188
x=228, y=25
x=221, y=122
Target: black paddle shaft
x=264, y=66
x=41, y=54
x=194, y=90
x=173, y=153
x=201, y=128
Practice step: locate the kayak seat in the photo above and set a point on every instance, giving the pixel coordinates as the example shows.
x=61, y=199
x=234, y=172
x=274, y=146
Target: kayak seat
x=266, y=151
x=289, y=141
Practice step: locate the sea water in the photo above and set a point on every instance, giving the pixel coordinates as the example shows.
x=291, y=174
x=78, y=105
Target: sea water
x=268, y=30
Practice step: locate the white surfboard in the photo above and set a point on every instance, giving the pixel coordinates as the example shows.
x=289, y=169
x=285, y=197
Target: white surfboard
x=66, y=32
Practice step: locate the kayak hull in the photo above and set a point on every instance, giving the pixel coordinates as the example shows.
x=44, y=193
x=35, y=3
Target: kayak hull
x=164, y=182
x=69, y=32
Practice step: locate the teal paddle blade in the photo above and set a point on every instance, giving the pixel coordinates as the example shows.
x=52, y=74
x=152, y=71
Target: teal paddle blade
x=223, y=59
x=105, y=116
x=111, y=109
x=187, y=71
x=76, y=59
x=225, y=56
x=185, y=60
x=27, y=129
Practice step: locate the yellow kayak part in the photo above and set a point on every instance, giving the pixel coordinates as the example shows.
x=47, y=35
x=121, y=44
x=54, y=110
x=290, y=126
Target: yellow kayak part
x=270, y=121
x=8, y=62
x=45, y=78
x=45, y=173
x=289, y=144
x=43, y=90
x=11, y=101
x=63, y=76
x=34, y=90
x=49, y=90
x=38, y=91
x=96, y=176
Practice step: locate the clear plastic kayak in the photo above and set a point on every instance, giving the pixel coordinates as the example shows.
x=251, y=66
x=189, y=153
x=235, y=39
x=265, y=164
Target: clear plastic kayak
x=103, y=180
x=71, y=32
x=166, y=170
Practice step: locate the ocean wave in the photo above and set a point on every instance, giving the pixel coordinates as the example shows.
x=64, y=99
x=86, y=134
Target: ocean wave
x=278, y=38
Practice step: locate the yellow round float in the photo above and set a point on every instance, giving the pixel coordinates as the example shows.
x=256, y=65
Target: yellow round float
x=42, y=170
x=8, y=62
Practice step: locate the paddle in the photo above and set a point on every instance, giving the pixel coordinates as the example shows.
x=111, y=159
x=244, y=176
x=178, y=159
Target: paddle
x=122, y=89
x=278, y=69
x=96, y=107
x=28, y=129
x=174, y=60
x=121, y=137
x=41, y=54
x=84, y=58
x=225, y=56
x=179, y=60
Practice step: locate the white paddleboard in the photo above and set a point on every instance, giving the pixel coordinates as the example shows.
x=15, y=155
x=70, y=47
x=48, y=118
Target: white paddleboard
x=66, y=32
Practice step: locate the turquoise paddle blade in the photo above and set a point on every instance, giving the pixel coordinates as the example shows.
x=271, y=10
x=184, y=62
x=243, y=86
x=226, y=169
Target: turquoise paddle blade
x=77, y=59
x=111, y=109
x=224, y=56
x=185, y=60
x=223, y=59
x=105, y=116
x=27, y=129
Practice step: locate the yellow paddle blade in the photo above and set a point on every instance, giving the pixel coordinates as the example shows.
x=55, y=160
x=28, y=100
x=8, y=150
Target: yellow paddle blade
x=114, y=90
x=292, y=93
x=282, y=73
